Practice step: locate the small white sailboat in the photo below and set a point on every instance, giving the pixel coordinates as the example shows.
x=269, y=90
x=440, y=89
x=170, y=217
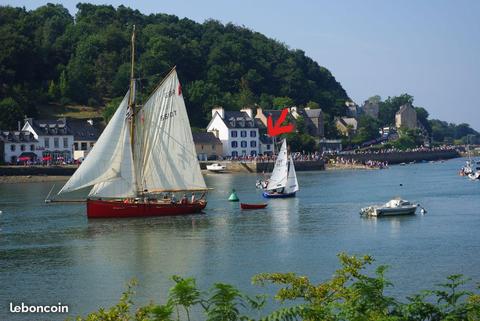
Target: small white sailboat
x=283, y=182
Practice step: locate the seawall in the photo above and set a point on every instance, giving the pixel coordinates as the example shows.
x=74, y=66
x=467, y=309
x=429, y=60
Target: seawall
x=259, y=167
x=404, y=157
x=37, y=170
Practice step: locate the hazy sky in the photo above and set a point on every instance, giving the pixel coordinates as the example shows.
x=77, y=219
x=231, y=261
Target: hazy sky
x=429, y=49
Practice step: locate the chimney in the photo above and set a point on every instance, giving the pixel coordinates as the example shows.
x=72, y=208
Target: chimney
x=218, y=110
x=248, y=111
x=90, y=121
x=259, y=112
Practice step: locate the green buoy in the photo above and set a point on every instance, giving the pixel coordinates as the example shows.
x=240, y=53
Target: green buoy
x=233, y=197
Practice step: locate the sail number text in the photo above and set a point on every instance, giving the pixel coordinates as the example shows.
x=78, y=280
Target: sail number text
x=168, y=115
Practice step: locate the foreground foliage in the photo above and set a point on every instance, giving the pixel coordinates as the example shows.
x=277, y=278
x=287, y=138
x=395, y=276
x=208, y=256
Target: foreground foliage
x=351, y=294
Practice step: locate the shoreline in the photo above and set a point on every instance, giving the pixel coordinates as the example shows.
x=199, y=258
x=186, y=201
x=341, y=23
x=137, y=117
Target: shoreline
x=31, y=179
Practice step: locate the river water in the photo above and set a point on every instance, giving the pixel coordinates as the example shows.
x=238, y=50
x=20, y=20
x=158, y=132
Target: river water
x=52, y=253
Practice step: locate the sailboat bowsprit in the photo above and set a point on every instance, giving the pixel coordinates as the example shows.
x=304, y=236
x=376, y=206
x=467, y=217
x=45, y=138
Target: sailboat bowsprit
x=143, y=156
x=283, y=182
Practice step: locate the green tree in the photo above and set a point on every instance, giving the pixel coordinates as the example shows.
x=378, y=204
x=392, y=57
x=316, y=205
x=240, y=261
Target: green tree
x=282, y=102
x=10, y=113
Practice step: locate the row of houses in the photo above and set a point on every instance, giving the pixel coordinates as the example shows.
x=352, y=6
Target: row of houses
x=229, y=134
x=405, y=117
x=56, y=141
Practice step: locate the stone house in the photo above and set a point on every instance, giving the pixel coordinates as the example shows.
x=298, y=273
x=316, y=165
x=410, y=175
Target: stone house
x=347, y=126
x=406, y=117
x=207, y=146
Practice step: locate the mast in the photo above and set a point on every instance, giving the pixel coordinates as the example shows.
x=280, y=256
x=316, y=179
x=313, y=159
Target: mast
x=131, y=98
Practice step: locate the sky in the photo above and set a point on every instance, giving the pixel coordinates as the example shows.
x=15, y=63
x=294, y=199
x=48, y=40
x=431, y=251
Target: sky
x=427, y=48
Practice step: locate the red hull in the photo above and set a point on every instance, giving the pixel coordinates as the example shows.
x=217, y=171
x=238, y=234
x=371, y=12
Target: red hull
x=119, y=209
x=245, y=206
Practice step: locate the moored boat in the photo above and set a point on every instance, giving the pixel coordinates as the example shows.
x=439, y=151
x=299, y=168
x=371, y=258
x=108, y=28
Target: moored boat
x=245, y=206
x=216, y=168
x=393, y=207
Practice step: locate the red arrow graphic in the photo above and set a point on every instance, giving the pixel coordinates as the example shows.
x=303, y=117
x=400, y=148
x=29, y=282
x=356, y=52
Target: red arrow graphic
x=277, y=129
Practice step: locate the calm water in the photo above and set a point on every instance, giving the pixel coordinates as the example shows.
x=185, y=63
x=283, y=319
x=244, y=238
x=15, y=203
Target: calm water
x=52, y=253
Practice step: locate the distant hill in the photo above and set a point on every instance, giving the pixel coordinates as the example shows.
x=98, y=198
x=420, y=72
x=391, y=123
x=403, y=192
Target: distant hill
x=48, y=57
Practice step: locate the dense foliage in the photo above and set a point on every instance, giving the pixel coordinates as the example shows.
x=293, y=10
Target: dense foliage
x=48, y=56
x=350, y=295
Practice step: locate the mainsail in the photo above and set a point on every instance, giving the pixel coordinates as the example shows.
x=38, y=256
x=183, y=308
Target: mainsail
x=109, y=161
x=165, y=156
x=280, y=171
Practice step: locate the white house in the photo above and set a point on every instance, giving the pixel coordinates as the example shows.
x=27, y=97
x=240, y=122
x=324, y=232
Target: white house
x=18, y=146
x=237, y=130
x=55, y=140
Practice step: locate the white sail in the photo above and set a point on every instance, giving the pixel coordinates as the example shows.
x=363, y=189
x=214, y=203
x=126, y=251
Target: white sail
x=165, y=155
x=280, y=171
x=106, y=161
x=292, y=183
x=124, y=184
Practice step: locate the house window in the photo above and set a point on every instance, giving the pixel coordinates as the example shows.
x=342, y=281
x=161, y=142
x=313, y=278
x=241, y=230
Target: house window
x=202, y=147
x=234, y=133
x=253, y=153
x=32, y=148
x=46, y=142
x=91, y=145
x=12, y=147
x=244, y=153
x=243, y=133
x=268, y=147
x=243, y=144
x=253, y=133
x=253, y=143
x=213, y=147
x=234, y=144
x=75, y=146
x=234, y=154
x=55, y=142
x=22, y=148
x=65, y=142
x=84, y=146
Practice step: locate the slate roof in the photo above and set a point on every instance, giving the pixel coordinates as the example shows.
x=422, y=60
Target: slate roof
x=82, y=130
x=205, y=138
x=238, y=119
x=51, y=127
x=17, y=137
x=313, y=113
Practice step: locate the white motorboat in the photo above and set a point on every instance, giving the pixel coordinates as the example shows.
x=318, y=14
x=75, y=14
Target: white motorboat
x=216, y=168
x=396, y=206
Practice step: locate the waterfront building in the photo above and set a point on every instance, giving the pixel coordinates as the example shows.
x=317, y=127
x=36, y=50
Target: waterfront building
x=18, y=146
x=347, y=126
x=55, y=139
x=237, y=130
x=207, y=146
x=85, y=134
x=313, y=118
x=406, y=116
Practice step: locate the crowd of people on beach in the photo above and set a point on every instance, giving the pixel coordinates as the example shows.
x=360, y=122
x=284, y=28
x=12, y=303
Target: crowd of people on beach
x=395, y=150
x=338, y=160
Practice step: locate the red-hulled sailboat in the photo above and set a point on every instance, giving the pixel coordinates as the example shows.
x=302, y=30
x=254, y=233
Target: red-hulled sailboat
x=143, y=159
